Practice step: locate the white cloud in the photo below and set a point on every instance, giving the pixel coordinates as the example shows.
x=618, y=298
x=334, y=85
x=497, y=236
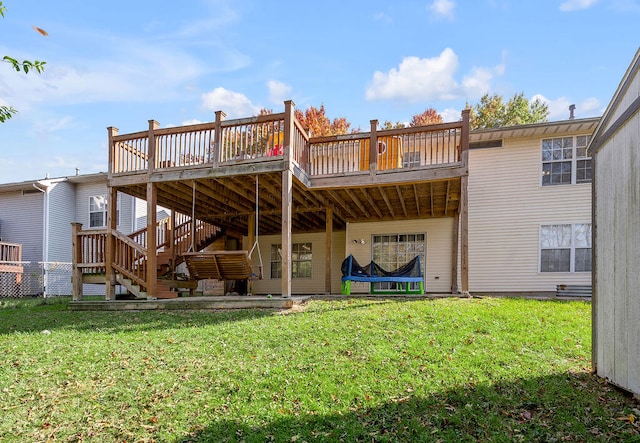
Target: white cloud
x=451, y=115
x=443, y=9
x=232, y=103
x=574, y=5
x=193, y=121
x=278, y=92
x=559, y=108
x=431, y=79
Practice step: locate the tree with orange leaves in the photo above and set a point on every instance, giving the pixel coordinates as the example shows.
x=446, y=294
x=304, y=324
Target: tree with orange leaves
x=315, y=120
x=429, y=117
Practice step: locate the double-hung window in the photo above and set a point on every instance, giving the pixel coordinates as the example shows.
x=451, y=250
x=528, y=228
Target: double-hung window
x=98, y=211
x=565, y=160
x=565, y=248
x=301, y=260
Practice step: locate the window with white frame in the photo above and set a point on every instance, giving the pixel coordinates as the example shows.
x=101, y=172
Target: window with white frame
x=565, y=248
x=394, y=250
x=301, y=260
x=565, y=160
x=98, y=211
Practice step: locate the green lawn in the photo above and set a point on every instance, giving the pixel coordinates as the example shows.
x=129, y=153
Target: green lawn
x=445, y=370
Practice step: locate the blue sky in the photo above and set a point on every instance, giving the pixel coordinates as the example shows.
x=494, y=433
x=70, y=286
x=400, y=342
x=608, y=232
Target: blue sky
x=121, y=63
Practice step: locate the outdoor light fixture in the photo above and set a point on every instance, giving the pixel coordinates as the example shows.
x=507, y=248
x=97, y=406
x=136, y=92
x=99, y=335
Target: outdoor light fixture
x=361, y=241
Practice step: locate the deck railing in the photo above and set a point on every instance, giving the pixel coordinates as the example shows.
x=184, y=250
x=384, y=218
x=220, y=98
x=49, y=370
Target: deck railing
x=130, y=258
x=10, y=252
x=407, y=148
x=91, y=251
x=268, y=137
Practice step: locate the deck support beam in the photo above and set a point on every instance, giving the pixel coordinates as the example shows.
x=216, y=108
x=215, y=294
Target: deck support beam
x=152, y=262
x=76, y=257
x=328, y=247
x=287, y=191
x=454, y=256
x=464, y=205
x=112, y=220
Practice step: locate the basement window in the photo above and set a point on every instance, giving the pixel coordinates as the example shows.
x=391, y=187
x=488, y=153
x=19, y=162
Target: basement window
x=301, y=260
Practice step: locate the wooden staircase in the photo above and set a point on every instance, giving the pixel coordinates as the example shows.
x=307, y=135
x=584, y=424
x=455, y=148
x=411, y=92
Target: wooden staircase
x=130, y=257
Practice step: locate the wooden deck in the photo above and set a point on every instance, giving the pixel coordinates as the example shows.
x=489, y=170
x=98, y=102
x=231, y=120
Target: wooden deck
x=266, y=174
x=213, y=170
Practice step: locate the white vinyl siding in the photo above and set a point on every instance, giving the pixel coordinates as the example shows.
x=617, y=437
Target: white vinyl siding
x=507, y=206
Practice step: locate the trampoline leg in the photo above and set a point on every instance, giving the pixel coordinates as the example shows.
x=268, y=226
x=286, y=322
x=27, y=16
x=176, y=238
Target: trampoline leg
x=346, y=287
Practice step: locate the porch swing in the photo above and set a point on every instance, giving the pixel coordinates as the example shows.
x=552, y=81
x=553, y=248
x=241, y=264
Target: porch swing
x=224, y=265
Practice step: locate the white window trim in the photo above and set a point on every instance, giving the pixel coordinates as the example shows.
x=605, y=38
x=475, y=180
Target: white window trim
x=104, y=225
x=572, y=257
x=574, y=161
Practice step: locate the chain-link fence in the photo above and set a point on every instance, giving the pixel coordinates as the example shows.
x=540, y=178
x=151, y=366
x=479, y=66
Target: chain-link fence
x=31, y=279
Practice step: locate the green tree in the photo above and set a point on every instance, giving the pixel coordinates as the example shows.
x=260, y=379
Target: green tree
x=493, y=112
x=6, y=112
x=388, y=125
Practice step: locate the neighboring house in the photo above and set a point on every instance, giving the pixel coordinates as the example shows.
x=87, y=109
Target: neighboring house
x=616, y=307
x=37, y=215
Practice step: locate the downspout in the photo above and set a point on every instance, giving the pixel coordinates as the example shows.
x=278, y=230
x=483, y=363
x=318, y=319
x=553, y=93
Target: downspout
x=45, y=236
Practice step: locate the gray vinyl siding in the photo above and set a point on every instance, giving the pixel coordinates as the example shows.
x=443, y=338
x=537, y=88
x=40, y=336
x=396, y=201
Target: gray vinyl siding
x=85, y=191
x=507, y=206
x=22, y=220
x=62, y=208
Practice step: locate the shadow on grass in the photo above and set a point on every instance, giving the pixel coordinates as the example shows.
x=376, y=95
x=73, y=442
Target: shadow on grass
x=565, y=407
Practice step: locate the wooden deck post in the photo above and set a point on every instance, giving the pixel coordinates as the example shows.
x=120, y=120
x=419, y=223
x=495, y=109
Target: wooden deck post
x=112, y=220
x=217, y=136
x=153, y=148
x=454, y=255
x=152, y=262
x=114, y=155
x=287, y=197
x=464, y=205
x=328, y=249
x=373, y=148
x=76, y=257
x=171, y=225
x=289, y=107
